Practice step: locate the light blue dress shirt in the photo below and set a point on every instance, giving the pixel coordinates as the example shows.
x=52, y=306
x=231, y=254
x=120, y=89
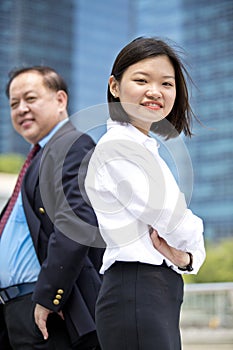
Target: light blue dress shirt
x=18, y=260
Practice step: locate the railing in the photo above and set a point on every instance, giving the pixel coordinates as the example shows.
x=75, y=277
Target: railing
x=208, y=305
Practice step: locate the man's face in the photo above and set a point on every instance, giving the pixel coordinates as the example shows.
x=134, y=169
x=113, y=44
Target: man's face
x=35, y=109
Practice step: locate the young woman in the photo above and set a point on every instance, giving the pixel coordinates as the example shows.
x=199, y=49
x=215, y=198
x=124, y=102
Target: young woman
x=151, y=236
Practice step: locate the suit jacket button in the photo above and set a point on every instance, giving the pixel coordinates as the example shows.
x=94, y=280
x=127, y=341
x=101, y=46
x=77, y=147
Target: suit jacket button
x=41, y=210
x=58, y=296
x=60, y=291
x=56, y=302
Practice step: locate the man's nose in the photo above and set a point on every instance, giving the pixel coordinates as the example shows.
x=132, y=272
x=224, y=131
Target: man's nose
x=23, y=107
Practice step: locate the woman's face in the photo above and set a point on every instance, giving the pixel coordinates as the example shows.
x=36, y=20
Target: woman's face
x=147, y=91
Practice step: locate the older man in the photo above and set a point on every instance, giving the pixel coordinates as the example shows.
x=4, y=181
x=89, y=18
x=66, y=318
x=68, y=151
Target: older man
x=49, y=277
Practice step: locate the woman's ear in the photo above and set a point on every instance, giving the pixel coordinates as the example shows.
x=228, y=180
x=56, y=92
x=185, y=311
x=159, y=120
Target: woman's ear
x=113, y=86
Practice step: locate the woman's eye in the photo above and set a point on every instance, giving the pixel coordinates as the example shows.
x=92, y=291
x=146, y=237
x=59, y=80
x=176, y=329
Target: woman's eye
x=167, y=83
x=143, y=81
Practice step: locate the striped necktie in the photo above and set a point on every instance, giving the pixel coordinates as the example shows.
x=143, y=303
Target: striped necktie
x=17, y=188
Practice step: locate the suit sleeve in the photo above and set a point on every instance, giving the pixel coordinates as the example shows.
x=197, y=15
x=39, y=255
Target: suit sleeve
x=62, y=174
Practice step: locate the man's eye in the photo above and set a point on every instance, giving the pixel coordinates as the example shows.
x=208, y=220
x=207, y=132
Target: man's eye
x=14, y=105
x=31, y=98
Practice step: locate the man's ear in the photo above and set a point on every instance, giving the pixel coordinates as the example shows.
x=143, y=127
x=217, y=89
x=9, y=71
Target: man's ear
x=62, y=98
x=113, y=86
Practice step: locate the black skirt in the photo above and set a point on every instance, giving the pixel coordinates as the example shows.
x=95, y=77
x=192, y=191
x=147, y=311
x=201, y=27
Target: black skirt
x=139, y=307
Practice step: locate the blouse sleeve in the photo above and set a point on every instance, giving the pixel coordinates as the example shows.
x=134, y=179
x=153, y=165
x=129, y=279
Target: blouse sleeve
x=127, y=178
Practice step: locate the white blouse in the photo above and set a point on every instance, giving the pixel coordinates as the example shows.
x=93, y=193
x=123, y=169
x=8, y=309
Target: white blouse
x=132, y=189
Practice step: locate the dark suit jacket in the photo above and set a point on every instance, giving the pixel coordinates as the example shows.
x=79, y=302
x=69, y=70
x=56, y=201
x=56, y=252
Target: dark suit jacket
x=64, y=230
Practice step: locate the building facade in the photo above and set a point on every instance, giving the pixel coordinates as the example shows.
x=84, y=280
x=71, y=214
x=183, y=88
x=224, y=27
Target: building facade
x=207, y=36
x=204, y=30
x=32, y=33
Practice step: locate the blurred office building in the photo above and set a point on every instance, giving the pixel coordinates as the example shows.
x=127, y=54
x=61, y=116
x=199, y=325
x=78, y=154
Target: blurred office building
x=204, y=29
x=207, y=36
x=32, y=33
x=81, y=39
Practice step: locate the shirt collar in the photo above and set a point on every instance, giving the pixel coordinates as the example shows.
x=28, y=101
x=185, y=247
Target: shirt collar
x=148, y=141
x=46, y=139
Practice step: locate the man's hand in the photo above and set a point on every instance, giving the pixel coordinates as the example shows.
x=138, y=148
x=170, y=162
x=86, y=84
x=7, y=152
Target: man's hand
x=41, y=316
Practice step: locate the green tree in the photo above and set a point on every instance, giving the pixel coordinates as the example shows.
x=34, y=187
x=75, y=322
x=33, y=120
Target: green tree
x=218, y=266
x=11, y=163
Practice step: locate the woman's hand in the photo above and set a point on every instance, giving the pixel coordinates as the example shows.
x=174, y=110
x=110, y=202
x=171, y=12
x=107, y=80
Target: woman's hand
x=177, y=257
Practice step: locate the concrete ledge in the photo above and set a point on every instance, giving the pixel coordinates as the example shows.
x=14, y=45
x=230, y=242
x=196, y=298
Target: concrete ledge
x=207, y=336
x=7, y=183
